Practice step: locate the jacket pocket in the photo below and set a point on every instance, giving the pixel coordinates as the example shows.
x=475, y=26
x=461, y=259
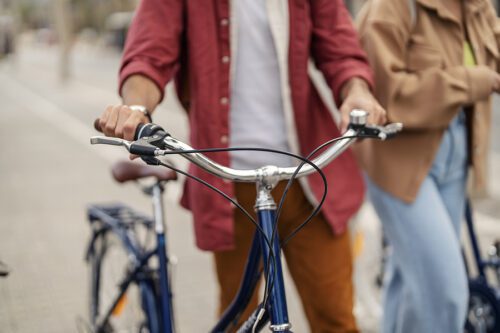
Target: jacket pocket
x=421, y=57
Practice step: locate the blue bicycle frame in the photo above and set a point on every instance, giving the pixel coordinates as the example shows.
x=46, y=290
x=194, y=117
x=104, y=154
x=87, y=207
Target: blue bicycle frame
x=161, y=246
x=276, y=311
x=481, y=264
x=160, y=312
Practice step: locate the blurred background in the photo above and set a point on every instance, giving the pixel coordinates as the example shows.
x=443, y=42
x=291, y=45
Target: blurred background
x=59, y=61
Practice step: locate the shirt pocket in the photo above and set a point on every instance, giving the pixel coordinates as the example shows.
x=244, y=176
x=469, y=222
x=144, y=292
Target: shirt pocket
x=422, y=57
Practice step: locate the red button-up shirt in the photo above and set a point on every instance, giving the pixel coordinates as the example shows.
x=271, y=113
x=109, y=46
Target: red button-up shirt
x=168, y=35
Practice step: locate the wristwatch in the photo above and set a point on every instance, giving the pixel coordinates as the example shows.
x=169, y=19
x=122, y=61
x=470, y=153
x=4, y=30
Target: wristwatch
x=143, y=110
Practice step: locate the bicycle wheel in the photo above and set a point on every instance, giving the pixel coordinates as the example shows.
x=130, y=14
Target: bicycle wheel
x=135, y=311
x=484, y=309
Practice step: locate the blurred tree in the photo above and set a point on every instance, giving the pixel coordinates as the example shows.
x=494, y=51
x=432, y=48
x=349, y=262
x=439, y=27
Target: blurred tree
x=93, y=13
x=64, y=30
x=71, y=16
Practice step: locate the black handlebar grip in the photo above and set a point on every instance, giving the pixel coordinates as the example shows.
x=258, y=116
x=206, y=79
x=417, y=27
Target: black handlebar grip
x=149, y=130
x=138, y=131
x=97, y=125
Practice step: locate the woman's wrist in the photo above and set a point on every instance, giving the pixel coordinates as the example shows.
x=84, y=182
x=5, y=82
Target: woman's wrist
x=353, y=85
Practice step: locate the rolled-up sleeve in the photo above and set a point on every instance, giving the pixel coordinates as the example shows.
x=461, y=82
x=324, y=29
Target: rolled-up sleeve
x=335, y=46
x=153, y=42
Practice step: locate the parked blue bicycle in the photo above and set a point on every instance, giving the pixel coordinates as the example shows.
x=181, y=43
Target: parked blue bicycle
x=484, y=297
x=124, y=282
x=155, y=298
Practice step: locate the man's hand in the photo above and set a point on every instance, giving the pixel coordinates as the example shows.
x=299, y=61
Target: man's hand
x=120, y=121
x=356, y=95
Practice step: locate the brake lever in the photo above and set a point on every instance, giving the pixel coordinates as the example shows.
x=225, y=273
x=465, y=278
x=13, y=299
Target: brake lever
x=106, y=140
x=392, y=129
x=145, y=147
x=380, y=132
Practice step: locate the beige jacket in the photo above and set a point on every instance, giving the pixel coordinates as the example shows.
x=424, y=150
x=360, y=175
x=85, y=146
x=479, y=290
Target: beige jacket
x=422, y=82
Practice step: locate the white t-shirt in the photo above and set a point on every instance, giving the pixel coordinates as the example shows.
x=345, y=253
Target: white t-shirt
x=256, y=116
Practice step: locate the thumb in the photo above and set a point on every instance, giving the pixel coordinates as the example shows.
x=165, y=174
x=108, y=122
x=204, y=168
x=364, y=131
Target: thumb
x=344, y=122
x=343, y=126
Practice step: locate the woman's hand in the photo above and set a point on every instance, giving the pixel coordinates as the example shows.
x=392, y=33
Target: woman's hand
x=357, y=95
x=495, y=82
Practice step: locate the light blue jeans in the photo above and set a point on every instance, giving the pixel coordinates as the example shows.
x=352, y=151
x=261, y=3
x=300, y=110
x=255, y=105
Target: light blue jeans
x=425, y=283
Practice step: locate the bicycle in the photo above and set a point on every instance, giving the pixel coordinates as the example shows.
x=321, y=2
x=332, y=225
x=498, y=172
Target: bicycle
x=115, y=234
x=483, y=313
x=484, y=298
x=153, y=142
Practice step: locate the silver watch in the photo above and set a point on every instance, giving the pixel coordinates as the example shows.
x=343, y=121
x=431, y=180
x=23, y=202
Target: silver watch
x=142, y=109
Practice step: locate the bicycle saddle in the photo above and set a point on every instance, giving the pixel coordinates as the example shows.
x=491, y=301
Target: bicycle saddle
x=124, y=171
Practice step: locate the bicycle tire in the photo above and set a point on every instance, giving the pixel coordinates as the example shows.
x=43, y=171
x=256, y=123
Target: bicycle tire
x=137, y=312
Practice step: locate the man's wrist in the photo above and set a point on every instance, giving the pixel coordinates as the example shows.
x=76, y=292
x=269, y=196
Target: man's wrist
x=354, y=84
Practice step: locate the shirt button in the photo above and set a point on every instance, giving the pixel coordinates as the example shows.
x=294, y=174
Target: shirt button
x=225, y=59
x=224, y=139
x=224, y=22
x=224, y=101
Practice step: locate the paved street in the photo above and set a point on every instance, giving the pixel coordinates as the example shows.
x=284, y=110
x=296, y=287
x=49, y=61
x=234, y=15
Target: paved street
x=49, y=173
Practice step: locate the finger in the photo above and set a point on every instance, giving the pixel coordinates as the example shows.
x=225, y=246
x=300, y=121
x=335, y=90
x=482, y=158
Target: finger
x=133, y=157
x=383, y=116
x=496, y=84
x=131, y=124
x=109, y=128
x=104, y=117
x=373, y=114
x=123, y=116
x=372, y=117
x=344, y=120
x=378, y=116
x=97, y=125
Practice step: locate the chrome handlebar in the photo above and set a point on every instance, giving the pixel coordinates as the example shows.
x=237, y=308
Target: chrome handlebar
x=273, y=174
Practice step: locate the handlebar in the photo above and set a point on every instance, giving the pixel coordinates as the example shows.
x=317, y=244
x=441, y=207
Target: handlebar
x=152, y=141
